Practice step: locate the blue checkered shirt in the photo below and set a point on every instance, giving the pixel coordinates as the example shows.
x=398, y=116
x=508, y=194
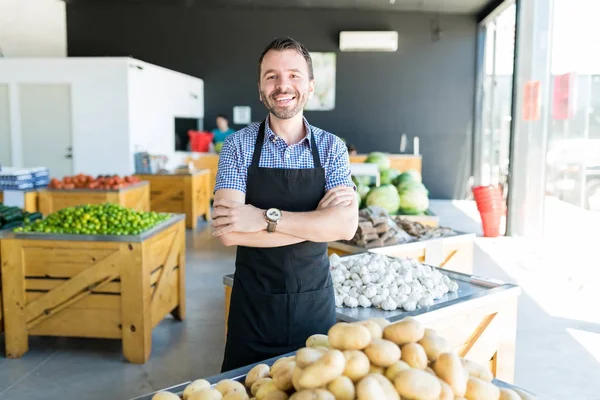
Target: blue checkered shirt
x=236, y=156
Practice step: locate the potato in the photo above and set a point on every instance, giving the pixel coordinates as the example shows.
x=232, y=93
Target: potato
x=236, y=396
x=259, y=382
x=508, y=394
x=283, y=377
x=308, y=355
x=342, y=388
x=357, y=365
x=375, y=329
x=206, y=394
x=478, y=389
x=407, y=330
x=227, y=386
x=428, y=369
x=317, y=340
x=369, y=388
x=165, y=396
x=477, y=370
x=313, y=394
x=265, y=389
x=276, y=395
x=382, y=322
x=324, y=370
x=374, y=369
x=434, y=345
x=296, y=378
x=417, y=384
x=448, y=367
x=447, y=393
x=280, y=362
x=345, y=336
x=393, y=369
x=388, y=388
x=257, y=372
x=195, y=386
x=414, y=355
x=382, y=353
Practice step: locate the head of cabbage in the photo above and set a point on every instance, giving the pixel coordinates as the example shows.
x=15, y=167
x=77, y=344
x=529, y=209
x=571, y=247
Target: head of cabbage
x=384, y=196
x=414, y=199
x=380, y=159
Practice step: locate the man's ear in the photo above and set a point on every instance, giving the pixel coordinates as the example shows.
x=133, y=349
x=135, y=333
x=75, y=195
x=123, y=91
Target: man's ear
x=311, y=88
x=259, y=93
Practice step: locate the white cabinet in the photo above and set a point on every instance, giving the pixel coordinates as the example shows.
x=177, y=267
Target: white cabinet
x=116, y=107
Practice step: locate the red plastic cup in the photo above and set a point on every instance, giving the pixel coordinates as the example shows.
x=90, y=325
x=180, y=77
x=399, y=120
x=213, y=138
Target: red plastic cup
x=491, y=223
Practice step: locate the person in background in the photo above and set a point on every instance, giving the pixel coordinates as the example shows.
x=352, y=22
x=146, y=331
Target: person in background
x=223, y=130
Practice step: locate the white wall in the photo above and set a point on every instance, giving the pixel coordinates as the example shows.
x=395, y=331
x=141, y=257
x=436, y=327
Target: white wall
x=99, y=109
x=156, y=96
x=33, y=28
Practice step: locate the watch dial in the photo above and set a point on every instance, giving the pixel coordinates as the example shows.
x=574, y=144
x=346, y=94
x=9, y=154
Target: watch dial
x=273, y=214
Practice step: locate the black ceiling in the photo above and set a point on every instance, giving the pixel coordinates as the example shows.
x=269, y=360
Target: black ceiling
x=436, y=6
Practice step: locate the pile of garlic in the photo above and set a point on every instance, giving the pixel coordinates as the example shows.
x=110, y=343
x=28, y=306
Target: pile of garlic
x=375, y=280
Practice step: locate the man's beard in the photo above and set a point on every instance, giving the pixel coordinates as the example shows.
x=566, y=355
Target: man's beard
x=284, y=113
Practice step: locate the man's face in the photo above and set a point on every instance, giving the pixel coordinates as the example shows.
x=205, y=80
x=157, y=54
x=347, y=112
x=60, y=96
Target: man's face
x=285, y=86
x=222, y=124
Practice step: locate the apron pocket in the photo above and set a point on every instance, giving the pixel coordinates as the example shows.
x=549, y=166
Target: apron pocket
x=310, y=313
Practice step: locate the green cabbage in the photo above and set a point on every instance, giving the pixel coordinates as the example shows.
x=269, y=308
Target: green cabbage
x=381, y=159
x=384, y=196
x=387, y=176
x=410, y=175
x=413, y=199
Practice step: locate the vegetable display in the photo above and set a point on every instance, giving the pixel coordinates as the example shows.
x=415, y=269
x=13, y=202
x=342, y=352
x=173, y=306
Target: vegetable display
x=101, y=182
x=408, y=197
x=395, y=361
x=12, y=217
x=375, y=280
x=100, y=219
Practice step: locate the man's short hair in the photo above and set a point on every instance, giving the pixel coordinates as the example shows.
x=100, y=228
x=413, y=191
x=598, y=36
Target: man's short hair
x=287, y=43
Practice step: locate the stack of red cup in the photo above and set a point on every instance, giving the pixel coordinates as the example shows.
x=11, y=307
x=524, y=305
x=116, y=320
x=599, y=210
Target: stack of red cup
x=491, y=208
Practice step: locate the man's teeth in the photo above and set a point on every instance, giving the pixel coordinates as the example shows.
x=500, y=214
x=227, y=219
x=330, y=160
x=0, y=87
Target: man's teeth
x=284, y=98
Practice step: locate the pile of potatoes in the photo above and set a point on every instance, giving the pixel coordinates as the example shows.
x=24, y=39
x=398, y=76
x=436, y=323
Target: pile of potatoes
x=366, y=360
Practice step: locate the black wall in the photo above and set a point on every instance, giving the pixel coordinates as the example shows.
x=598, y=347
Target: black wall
x=424, y=89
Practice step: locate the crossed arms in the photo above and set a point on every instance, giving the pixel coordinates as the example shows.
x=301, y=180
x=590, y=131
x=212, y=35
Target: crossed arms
x=239, y=224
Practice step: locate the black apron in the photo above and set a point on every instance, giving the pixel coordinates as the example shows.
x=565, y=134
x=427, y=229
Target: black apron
x=280, y=295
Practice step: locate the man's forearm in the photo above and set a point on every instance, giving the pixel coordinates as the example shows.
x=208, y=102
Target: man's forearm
x=324, y=225
x=260, y=239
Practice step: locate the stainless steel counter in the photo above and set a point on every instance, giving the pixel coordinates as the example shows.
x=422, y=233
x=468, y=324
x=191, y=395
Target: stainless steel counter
x=240, y=375
x=470, y=287
x=98, y=238
x=347, y=247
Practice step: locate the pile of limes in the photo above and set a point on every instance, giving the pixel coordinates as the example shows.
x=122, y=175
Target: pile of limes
x=101, y=219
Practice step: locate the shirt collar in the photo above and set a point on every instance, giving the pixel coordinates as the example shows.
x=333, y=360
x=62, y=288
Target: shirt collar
x=270, y=135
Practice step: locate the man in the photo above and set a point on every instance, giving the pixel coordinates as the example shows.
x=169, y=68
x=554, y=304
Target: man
x=222, y=130
x=283, y=191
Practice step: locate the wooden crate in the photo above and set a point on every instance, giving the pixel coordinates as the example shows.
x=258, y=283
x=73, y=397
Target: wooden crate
x=454, y=253
x=181, y=193
x=136, y=196
x=97, y=287
x=401, y=162
x=209, y=162
x=31, y=201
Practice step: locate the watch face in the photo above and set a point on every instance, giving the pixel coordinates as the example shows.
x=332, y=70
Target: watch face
x=273, y=214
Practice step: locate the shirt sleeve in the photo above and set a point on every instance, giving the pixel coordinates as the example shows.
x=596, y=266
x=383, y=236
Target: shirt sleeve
x=231, y=173
x=338, y=168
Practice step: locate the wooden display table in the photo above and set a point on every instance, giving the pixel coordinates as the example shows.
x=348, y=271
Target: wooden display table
x=401, y=162
x=136, y=196
x=207, y=161
x=181, y=193
x=31, y=200
x=454, y=253
x=114, y=287
x=3, y=233
x=479, y=322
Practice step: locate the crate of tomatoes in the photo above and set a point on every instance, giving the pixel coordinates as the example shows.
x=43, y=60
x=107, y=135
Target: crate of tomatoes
x=101, y=182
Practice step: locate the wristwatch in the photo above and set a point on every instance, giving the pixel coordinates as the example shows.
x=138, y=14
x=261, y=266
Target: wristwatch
x=272, y=215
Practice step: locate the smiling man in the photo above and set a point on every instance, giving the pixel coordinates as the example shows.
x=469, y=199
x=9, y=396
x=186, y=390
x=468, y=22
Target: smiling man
x=283, y=191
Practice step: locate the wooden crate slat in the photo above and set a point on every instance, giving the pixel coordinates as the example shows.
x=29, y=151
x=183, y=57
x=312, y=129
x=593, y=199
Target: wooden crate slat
x=60, y=262
x=100, y=301
x=159, y=249
x=13, y=296
x=137, y=198
x=89, y=322
x=162, y=292
x=169, y=300
x=50, y=284
x=70, y=291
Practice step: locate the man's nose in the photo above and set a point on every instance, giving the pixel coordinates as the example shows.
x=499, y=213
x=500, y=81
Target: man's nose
x=283, y=82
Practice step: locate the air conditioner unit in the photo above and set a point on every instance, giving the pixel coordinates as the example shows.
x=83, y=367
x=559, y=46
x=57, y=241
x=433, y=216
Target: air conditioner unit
x=369, y=41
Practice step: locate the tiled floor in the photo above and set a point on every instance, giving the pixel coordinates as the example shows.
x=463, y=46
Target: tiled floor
x=555, y=348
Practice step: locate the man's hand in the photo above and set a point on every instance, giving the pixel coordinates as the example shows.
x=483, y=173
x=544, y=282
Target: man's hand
x=230, y=216
x=338, y=196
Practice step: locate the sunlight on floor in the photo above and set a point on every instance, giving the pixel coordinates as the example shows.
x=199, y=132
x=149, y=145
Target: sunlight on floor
x=588, y=340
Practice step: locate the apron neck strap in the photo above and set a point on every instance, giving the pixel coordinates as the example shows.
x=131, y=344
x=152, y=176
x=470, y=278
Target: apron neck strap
x=260, y=139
